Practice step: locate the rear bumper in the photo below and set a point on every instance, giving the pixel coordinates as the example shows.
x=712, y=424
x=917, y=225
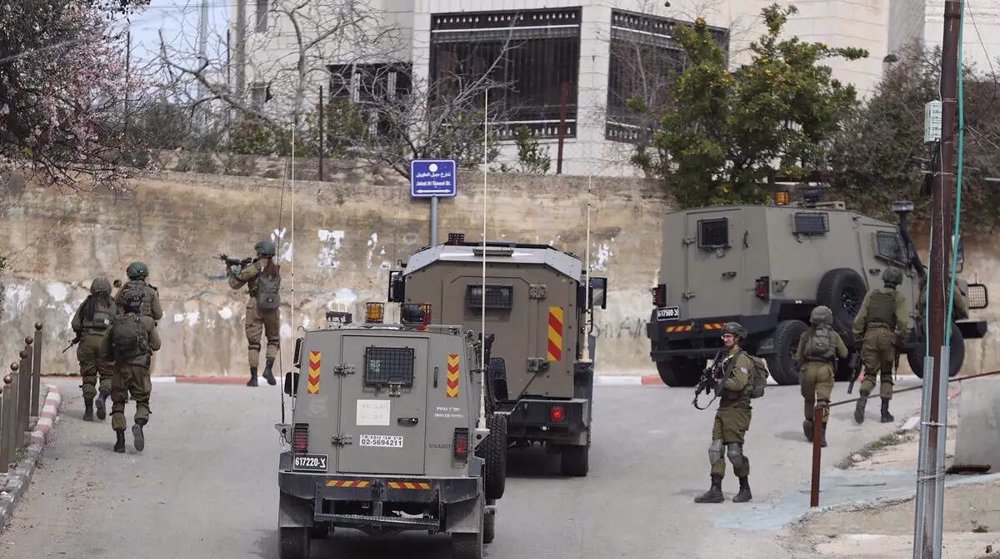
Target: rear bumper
x=702, y=338
x=531, y=418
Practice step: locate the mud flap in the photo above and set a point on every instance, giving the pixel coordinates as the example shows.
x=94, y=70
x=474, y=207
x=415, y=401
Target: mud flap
x=294, y=512
x=465, y=517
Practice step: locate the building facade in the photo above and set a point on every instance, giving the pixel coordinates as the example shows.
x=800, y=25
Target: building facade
x=924, y=20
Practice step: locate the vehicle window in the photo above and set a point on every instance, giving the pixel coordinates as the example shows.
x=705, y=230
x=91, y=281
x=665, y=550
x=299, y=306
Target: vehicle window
x=811, y=223
x=497, y=297
x=889, y=247
x=389, y=365
x=713, y=233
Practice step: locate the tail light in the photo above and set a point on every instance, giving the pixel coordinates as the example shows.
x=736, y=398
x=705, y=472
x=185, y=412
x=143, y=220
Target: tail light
x=300, y=438
x=660, y=295
x=557, y=413
x=461, y=443
x=762, y=288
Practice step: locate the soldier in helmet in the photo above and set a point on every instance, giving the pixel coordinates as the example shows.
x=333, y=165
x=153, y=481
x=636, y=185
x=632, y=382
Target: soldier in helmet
x=882, y=325
x=91, y=321
x=819, y=349
x=732, y=419
x=130, y=342
x=263, y=280
x=138, y=274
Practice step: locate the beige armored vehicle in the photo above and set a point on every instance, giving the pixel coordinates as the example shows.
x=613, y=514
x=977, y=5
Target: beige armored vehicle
x=388, y=434
x=767, y=267
x=536, y=305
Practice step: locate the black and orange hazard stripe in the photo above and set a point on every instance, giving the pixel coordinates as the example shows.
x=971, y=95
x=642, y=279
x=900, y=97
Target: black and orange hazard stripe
x=555, y=338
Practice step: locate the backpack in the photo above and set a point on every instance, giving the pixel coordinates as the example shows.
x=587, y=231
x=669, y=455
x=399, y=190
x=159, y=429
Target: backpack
x=129, y=337
x=139, y=289
x=820, y=345
x=758, y=377
x=267, y=290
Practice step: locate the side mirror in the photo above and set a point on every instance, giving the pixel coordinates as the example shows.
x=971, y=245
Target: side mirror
x=397, y=287
x=291, y=383
x=599, y=293
x=497, y=377
x=296, y=358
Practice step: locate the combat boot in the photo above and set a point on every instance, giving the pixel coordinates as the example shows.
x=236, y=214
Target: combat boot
x=100, y=405
x=138, y=439
x=744, y=495
x=807, y=429
x=886, y=416
x=120, y=441
x=859, y=409
x=267, y=371
x=713, y=495
x=88, y=409
x=253, y=377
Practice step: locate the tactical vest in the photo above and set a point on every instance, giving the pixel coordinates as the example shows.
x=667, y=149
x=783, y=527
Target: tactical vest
x=882, y=308
x=820, y=346
x=146, y=307
x=268, y=297
x=101, y=319
x=130, y=340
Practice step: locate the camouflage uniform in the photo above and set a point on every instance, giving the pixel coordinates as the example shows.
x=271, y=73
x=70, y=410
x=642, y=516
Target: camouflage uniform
x=132, y=378
x=258, y=320
x=91, y=321
x=138, y=273
x=816, y=373
x=882, y=320
x=960, y=308
x=732, y=420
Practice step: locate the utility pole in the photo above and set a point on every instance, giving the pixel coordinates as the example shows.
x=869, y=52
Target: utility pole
x=241, y=47
x=202, y=56
x=930, y=496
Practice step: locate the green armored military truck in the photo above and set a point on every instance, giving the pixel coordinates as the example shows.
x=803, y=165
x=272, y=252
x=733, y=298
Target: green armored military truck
x=767, y=267
x=536, y=304
x=387, y=434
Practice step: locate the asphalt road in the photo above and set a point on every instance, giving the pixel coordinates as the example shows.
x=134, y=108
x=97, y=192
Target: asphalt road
x=205, y=486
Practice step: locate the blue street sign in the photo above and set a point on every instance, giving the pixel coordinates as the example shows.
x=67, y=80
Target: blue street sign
x=433, y=177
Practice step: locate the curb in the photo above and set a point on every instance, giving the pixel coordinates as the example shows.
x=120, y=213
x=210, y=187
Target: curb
x=19, y=476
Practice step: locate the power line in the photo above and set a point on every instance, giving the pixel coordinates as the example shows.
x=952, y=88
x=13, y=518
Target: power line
x=996, y=85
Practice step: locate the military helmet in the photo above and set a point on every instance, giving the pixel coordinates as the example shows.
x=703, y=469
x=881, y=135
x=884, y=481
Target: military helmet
x=821, y=315
x=265, y=247
x=892, y=276
x=736, y=329
x=137, y=270
x=100, y=285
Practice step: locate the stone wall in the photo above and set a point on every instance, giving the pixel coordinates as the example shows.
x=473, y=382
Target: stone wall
x=346, y=236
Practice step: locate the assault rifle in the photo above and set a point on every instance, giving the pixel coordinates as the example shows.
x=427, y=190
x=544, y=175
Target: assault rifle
x=854, y=364
x=76, y=340
x=709, y=378
x=235, y=262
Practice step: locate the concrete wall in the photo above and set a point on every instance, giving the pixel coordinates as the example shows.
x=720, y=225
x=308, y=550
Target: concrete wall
x=346, y=237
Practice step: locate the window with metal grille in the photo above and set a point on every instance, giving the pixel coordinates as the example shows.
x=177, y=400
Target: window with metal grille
x=811, y=223
x=389, y=365
x=889, y=247
x=262, y=7
x=713, y=233
x=497, y=297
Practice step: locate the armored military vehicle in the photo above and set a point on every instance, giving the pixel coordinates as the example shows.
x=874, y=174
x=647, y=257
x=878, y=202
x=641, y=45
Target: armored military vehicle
x=767, y=267
x=387, y=434
x=536, y=303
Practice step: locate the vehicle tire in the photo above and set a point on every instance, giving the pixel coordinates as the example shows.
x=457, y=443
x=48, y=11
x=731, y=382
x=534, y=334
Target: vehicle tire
x=915, y=355
x=679, y=372
x=782, y=364
x=489, y=528
x=294, y=543
x=494, y=452
x=467, y=546
x=843, y=290
x=575, y=461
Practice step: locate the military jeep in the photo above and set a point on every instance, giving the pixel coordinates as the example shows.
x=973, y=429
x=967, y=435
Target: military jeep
x=767, y=267
x=387, y=434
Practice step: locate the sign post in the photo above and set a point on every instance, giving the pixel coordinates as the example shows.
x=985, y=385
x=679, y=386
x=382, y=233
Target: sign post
x=433, y=178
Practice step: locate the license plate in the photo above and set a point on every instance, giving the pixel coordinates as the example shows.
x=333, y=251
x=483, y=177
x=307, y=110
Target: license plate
x=309, y=462
x=382, y=441
x=668, y=313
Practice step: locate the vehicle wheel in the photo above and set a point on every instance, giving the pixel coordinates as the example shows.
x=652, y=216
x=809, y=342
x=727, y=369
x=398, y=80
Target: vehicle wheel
x=489, y=527
x=679, y=372
x=575, y=461
x=843, y=290
x=915, y=356
x=294, y=543
x=320, y=531
x=494, y=451
x=782, y=364
x=467, y=546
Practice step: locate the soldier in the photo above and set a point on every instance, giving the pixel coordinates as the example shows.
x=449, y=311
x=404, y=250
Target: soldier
x=817, y=355
x=131, y=343
x=732, y=374
x=137, y=274
x=90, y=322
x=883, y=322
x=960, y=306
x=262, y=313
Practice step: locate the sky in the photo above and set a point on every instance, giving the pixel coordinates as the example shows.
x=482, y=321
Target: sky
x=178, y=19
